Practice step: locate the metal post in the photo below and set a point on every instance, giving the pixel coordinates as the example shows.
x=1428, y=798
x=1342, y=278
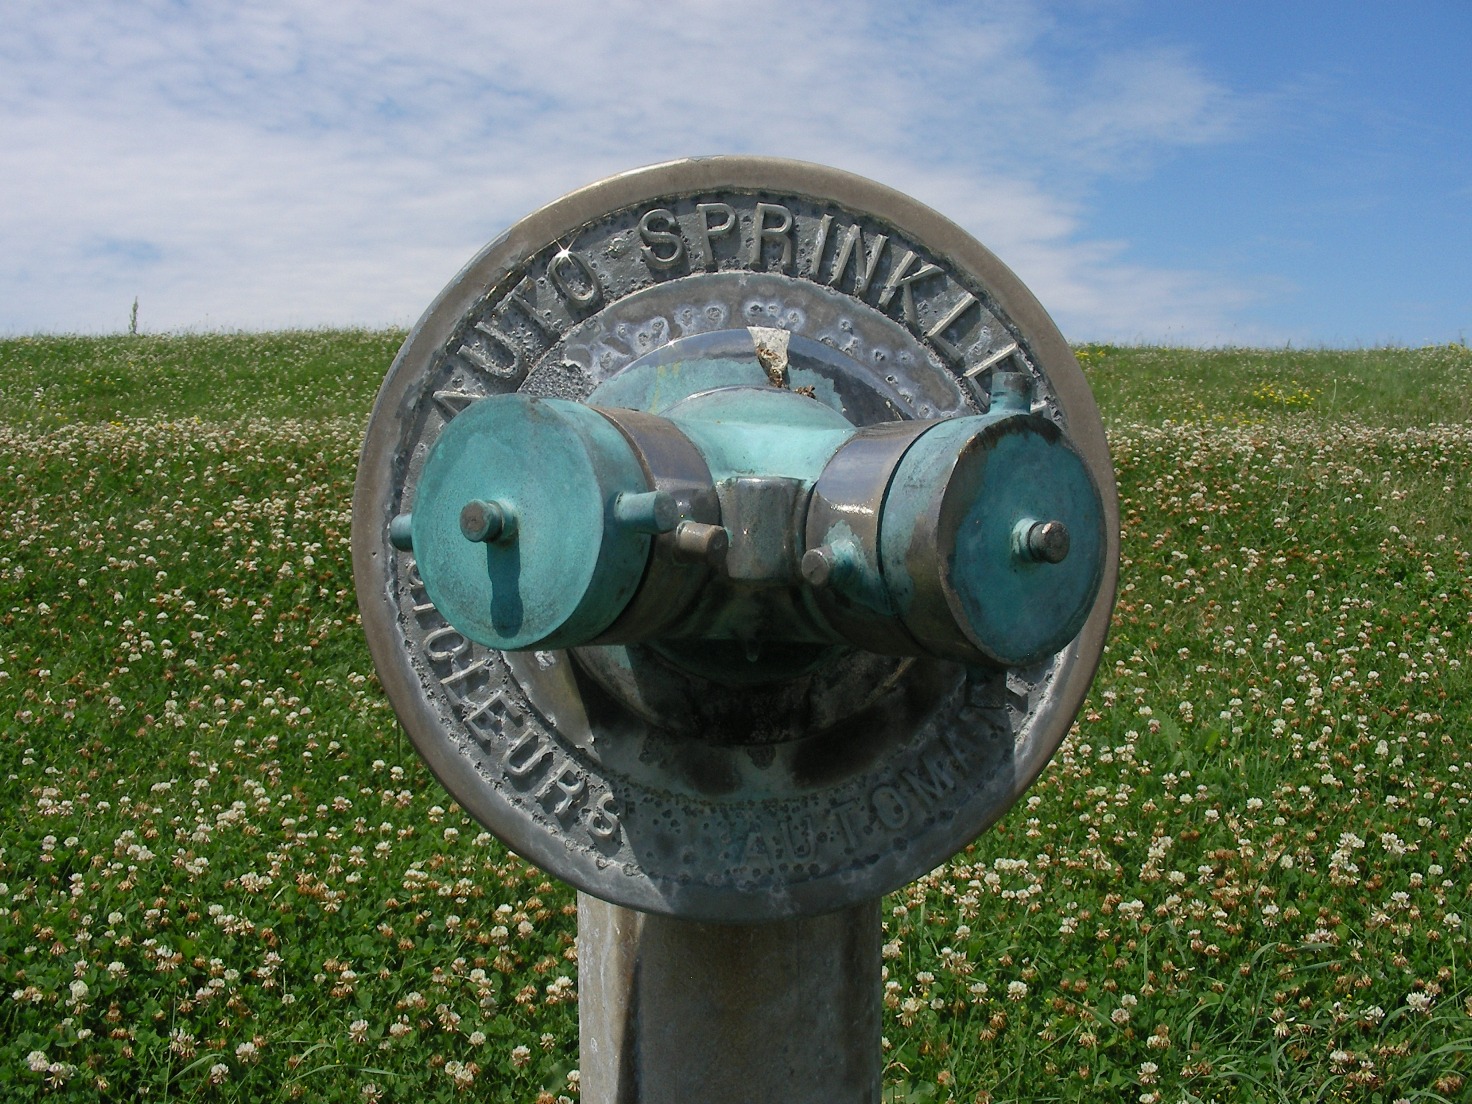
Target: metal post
x=673, y=1011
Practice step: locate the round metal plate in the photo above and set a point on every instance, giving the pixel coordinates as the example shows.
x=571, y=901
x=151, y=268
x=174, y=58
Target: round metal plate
x=613, y=768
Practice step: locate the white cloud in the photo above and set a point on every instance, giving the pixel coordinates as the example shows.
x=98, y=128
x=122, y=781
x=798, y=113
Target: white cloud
x=275, y=164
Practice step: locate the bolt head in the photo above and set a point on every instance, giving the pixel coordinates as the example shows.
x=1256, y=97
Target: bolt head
x=1048, y=541
x=817, y=566
x=697, y=542
x=482, y=521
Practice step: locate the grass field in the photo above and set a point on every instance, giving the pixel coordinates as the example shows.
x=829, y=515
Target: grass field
x=225, y=876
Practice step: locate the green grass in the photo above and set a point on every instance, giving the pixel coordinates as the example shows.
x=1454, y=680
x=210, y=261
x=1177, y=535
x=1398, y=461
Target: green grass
x=225, y=876
x=50, y=381
x=1383, y=387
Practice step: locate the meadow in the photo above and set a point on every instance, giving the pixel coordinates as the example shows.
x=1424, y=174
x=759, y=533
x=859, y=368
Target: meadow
x=224, y=874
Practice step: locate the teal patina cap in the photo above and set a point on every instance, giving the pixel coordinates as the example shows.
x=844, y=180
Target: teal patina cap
x=531, y=522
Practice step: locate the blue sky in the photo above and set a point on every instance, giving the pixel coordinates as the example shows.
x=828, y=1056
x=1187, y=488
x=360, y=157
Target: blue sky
x=1238, y=173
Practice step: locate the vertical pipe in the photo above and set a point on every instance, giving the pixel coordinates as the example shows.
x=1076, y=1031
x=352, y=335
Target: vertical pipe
x=673, y=1011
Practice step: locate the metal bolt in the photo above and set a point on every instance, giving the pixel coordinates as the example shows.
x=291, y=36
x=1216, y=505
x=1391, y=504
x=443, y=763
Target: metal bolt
x=1041, y=541
x=484, y=521
x=651, y=512
x=829, y=564
x=696, y=542
x=401, y=532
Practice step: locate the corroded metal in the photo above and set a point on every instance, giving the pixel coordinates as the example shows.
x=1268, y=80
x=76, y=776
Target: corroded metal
x=710, y=779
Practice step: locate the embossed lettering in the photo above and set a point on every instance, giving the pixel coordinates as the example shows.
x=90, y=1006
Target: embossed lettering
x=901, y=279
x=494, y=352
x=755, y=844
x=865, y=263
x=575, y=278
x=937, y=333
x=843, y=813
x=452, y=402
x=460, y=674
x=938, y=780
x=500, y=711
x=815, y=262
x=517, y=297
x=800, y=839
x=603, y=818
x=991, y=360
x=779, y=231
x=655, y=239
x=890, y=807
x=568, y=782
x=417, y=595
x=707, y=228
x=457, y=648
x=526, y=755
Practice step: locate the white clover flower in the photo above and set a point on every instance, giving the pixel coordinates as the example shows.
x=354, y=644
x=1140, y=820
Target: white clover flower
x=520, y=1056
x=461, y=1073
x=1016, y=990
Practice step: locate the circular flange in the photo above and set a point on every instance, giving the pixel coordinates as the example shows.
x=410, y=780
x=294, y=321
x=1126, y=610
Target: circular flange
x=638, y=781
x=1005, y=594
x=526, y=568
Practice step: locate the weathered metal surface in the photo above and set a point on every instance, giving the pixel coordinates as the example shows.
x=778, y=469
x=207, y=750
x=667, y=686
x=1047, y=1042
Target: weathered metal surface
x=698, y=778
x=925, y=539
x=673, y=1011
x=963, y=488
x=547, y=562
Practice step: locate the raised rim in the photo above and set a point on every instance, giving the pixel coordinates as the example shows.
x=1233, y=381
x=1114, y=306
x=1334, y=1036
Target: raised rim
x=500, y=260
